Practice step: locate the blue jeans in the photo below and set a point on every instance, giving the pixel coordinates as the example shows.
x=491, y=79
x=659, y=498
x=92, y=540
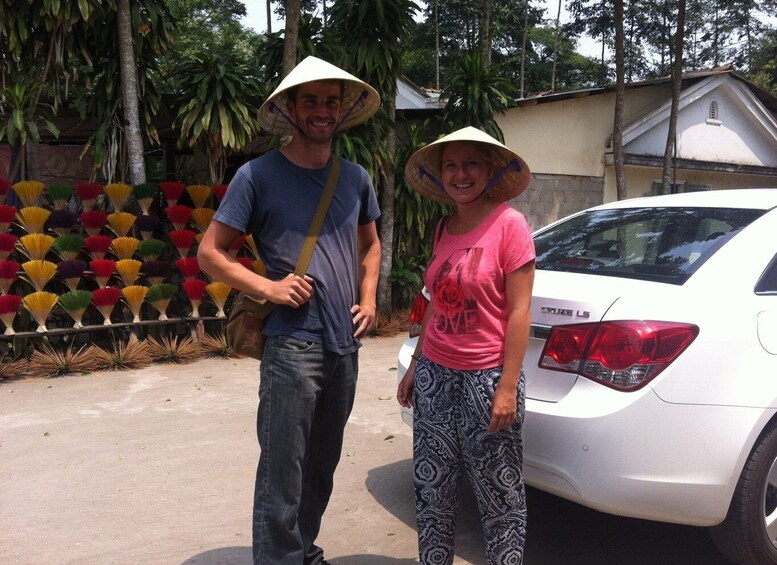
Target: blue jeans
x=305, y=397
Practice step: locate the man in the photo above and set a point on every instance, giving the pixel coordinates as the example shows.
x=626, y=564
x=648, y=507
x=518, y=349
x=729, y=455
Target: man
x=310, y=364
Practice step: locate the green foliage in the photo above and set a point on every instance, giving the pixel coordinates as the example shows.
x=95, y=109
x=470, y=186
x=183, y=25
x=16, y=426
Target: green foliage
x=475, y=94
x=22, y=114
x=218, y=106
x=415, y=220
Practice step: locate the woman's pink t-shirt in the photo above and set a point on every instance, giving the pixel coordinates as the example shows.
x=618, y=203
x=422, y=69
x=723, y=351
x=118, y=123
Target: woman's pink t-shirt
x=466, y=281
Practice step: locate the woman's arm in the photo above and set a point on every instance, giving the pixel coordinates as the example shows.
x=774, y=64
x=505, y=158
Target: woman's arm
x=518, y=286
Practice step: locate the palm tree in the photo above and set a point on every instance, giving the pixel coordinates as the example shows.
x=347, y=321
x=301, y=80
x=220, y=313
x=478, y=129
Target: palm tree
x=219, y=102
x=130, y=93
x=370, y=30
x=475, y=94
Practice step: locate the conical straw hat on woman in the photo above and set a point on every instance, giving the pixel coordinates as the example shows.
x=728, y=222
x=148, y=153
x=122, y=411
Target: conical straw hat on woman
x=511, y=176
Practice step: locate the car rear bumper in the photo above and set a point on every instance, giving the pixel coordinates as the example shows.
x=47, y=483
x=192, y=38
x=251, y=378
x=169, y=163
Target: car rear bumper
x=655, y=460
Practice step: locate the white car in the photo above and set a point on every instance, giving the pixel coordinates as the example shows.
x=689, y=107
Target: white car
x=652, y=364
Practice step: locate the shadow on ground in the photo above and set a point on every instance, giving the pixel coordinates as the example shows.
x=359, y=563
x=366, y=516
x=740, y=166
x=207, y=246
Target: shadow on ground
x=559, y=531
x=242, y=556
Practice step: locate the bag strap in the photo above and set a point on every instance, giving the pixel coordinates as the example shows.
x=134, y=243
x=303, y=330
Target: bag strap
x=440, y=228
x=318, y=218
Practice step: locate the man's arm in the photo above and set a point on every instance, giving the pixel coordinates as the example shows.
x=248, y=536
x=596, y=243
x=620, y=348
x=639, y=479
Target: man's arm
x=369, y=266
x=214, y=258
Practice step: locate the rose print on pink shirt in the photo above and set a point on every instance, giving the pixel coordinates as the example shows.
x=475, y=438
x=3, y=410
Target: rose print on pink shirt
x=450, y=297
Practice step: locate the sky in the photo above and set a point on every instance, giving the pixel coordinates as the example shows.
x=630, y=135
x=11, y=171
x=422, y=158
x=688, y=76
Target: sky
x=256, y=19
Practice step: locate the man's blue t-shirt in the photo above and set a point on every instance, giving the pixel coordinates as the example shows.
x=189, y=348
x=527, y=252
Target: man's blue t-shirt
x=274, y=199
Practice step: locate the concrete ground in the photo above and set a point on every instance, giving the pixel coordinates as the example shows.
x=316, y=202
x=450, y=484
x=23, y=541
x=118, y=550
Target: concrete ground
x=156, y=466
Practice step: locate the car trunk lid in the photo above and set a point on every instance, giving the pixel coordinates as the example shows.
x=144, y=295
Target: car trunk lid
x=552, y=305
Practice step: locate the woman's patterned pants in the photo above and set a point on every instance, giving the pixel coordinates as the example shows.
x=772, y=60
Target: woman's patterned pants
x=451, y=413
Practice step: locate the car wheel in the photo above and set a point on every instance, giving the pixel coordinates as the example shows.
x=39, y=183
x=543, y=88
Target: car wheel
x=749, y=532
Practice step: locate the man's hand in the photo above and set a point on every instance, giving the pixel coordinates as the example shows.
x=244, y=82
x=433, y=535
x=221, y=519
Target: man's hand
x=292, y=291
x=363, y=319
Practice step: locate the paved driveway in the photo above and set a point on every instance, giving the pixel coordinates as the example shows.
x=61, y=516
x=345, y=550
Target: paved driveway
x=156, y=466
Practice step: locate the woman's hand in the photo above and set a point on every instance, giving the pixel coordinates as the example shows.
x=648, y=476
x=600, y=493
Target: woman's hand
x=504, y=409
x=405, y=388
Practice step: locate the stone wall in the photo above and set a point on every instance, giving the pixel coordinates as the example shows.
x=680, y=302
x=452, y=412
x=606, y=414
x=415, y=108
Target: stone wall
x=551, y=197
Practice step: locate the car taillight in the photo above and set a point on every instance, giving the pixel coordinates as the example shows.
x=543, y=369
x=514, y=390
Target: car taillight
x=417, y=312
x=624, y=355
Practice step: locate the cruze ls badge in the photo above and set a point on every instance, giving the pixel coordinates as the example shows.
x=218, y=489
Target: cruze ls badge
x=565, y=312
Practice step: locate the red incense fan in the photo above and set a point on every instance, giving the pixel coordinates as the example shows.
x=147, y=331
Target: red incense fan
x=103, y=270
x=189, y=267
x=195, y=290
x=183, y=241
x=179, y=215
x=98, y=245
x=172, y=191
x=93, y=221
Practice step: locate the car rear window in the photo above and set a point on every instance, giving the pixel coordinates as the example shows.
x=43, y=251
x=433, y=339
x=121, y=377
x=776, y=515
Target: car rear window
x=659, y=244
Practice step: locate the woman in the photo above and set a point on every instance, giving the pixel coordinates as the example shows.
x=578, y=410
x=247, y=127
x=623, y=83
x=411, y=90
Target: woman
x=465, y=379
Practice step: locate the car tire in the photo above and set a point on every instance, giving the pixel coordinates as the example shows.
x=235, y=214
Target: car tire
x=743, y=536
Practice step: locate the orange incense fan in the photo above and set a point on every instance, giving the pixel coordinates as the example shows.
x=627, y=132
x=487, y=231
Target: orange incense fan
x=98, y=245
x=105, y=299
x=183, y=240
x=118, y=193
x=9, y=272
x=134, y=295
x=38, y=273
x=259, y=267
x=9, y=307
x=29, y=191
x=102, y=270
x=121, y=223
x=40, y=304
x=93, y=221
x=251, y=245
x=202, y=218
x=199, y=194
x=189, y=267
x=219, y=293
x=32, y=219
x=172, y=191
x=129, y=270
x=179, y=215
x=7, y=245
x=195, y=290
x=87, y=193
x=124, y=247
x=35, y=245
